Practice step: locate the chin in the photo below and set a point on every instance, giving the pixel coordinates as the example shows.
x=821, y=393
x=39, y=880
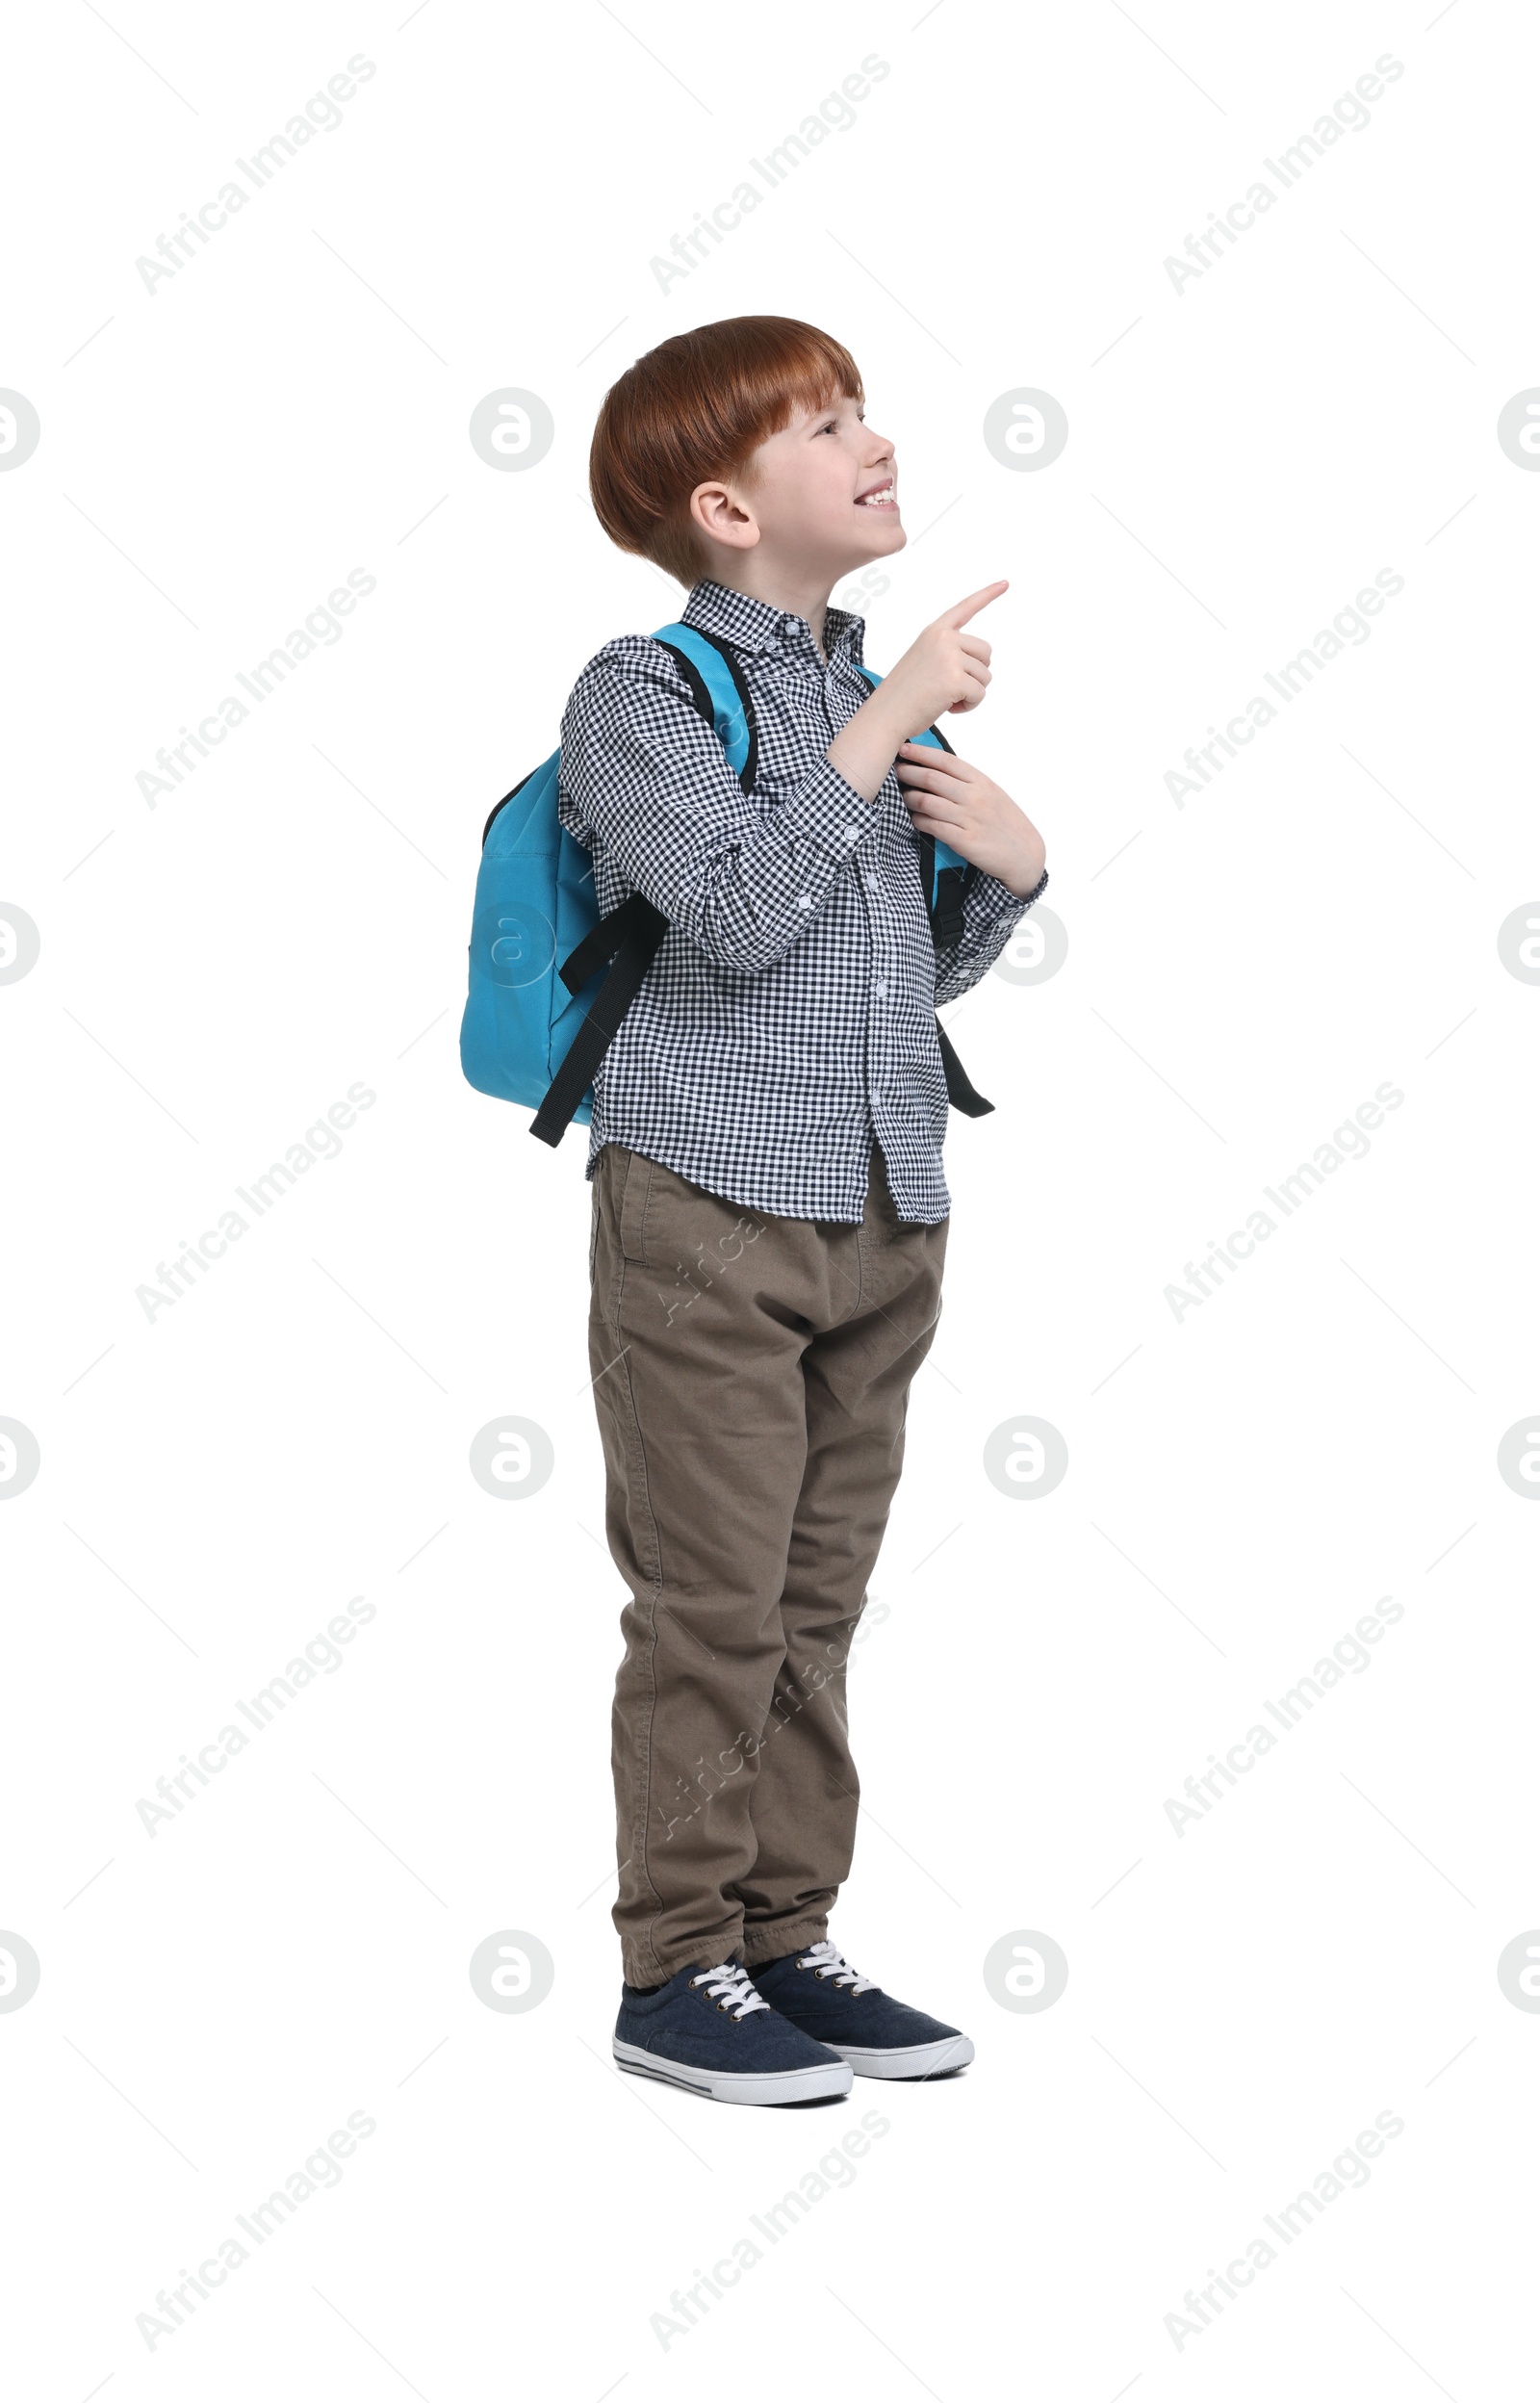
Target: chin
x=886, y=537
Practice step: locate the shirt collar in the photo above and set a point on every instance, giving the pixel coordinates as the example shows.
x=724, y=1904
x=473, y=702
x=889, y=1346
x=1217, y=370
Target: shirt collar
x=759, y=626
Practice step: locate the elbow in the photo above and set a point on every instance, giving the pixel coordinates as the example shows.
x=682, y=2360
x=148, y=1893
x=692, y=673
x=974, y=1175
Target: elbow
x=747, y=950
x=731, y=935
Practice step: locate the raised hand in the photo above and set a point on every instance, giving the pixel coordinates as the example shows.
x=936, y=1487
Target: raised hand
x=944, y=669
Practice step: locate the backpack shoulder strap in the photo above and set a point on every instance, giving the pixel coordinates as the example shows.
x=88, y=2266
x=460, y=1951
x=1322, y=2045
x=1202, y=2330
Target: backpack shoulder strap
x=944, y=875
x=719, y=692
x=628, y=937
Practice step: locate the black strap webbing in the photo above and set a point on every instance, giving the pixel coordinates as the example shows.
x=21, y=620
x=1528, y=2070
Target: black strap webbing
x=946, y=925
x=632, y=915
x=631, y=934
x=958, y=1091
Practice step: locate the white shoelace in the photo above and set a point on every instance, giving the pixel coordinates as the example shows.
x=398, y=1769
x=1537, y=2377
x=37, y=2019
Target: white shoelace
x=728, y=1979
x=830, y=1962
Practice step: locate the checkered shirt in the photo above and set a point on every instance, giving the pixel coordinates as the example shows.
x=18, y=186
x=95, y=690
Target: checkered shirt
x=789, y=1015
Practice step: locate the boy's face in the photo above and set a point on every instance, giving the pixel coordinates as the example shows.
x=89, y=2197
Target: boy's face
x=817, y=499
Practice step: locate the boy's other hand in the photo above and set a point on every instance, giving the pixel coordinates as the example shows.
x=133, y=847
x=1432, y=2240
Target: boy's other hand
x=943, y=669
x=962, y=807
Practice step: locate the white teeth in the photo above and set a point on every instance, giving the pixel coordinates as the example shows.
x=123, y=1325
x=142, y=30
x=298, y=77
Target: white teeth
x=881, y=498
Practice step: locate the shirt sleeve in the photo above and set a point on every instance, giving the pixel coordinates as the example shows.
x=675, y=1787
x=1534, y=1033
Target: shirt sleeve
x=645, y=775
x=991, y=912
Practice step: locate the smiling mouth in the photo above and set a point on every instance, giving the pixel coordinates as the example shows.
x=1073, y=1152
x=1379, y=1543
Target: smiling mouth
x=881, y=497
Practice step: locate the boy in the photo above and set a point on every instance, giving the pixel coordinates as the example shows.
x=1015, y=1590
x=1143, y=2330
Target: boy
x=770, y=1214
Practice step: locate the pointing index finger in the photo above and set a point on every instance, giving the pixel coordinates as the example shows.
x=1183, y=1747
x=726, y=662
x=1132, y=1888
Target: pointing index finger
x=962, y=610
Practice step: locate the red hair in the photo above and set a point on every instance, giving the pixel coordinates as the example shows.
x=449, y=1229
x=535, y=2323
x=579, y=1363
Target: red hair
x=696, y=408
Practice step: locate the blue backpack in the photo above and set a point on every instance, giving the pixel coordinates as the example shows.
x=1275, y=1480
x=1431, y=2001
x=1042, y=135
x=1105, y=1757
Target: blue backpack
x=550, y=979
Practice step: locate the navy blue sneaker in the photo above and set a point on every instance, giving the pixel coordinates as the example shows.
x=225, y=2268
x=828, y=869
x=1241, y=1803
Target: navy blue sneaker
x=710, y=2031
x=819, y=1991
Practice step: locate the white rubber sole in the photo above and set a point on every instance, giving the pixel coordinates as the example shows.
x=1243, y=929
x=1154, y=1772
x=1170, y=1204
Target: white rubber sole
x=915, y=2060
x=786, y=2085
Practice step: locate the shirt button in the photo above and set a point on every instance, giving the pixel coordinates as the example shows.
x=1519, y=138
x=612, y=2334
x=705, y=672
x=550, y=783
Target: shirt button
x=805, y=901
x=881, y=991
x=850, y=834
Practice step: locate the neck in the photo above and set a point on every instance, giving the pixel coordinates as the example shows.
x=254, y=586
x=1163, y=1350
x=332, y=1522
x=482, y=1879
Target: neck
x=805, y=595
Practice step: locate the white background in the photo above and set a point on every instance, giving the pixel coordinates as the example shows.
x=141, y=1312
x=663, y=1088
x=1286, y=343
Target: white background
x=1243, y=457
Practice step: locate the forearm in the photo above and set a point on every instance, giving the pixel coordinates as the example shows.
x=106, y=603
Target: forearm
x=868, y=744
x=643, y=775
x=1028, y=861
x=753, y=897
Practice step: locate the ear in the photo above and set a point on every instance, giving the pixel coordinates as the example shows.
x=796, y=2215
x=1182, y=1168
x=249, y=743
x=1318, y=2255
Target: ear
x=722, y=517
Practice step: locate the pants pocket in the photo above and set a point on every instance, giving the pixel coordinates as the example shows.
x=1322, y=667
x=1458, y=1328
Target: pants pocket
x=631, y=1186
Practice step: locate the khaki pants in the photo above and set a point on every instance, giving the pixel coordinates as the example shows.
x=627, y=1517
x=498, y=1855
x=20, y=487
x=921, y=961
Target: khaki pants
x=751, y=1377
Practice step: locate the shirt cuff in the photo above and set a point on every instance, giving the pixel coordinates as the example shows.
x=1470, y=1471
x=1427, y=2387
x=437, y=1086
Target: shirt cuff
x=989, y=894
x=830, y=811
